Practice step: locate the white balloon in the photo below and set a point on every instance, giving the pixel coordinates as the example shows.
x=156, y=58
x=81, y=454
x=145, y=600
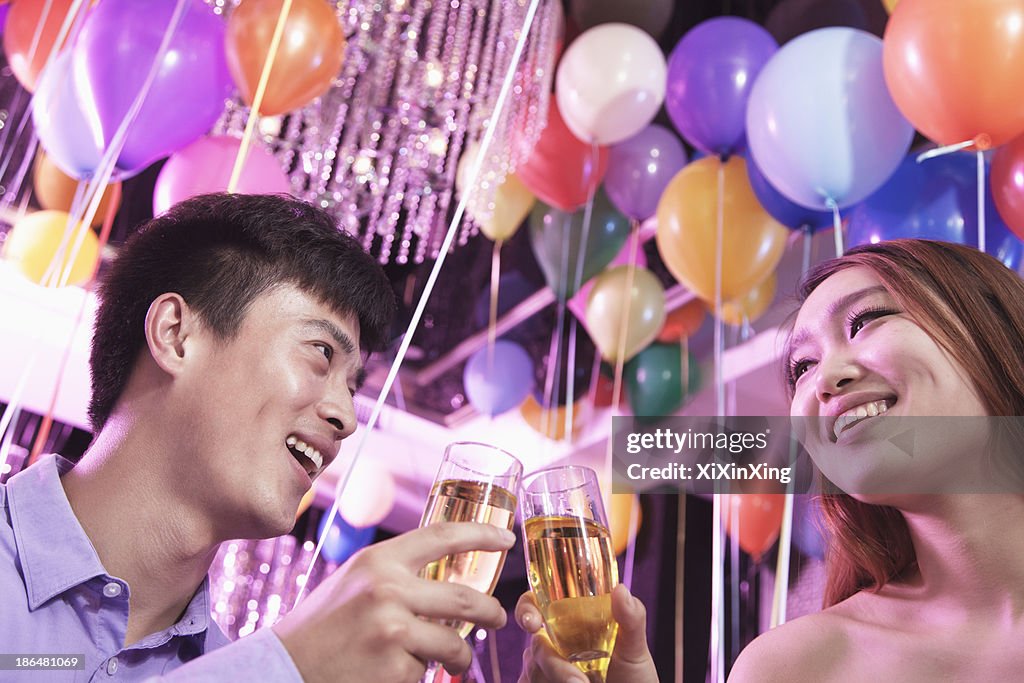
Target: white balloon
x=610, y=83
x=369, y=495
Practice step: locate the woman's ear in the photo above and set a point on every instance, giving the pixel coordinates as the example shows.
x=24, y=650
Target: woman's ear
x=169, y=323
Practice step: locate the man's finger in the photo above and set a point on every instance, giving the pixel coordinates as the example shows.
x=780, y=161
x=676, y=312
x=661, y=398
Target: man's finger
x=421, y=546
x=528, y=614
x=451, y=601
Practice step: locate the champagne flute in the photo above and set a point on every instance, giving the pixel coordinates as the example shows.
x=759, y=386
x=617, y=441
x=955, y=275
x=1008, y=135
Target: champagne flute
x=476, y=482
x=571, y=565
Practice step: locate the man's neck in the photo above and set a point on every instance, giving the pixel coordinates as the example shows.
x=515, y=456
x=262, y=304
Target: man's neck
x=142, y=533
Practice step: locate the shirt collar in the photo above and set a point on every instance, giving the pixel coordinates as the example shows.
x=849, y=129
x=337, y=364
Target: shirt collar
x=55, y=552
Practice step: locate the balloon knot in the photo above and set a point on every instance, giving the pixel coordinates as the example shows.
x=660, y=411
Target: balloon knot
x=983, y=142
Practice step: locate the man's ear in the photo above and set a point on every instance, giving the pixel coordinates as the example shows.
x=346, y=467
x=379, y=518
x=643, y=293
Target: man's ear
x=169, y=324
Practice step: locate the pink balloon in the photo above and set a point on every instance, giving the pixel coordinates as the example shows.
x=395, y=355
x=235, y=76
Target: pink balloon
x=205, y=166
x=578, y=303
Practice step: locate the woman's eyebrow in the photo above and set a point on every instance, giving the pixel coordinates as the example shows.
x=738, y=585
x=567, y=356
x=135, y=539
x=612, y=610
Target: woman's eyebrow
x=839, y=305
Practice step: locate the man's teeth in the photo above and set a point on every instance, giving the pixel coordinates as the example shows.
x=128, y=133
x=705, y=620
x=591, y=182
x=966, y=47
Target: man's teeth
x=300, y=446
x=859, y=413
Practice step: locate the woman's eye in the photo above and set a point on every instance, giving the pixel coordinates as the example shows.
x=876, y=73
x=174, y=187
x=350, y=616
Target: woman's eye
x=858, y=320
x=797, y=369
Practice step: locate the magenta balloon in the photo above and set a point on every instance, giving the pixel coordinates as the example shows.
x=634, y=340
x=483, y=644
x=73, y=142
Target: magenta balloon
x=640, y=168
x=710, y=74
x=113, y=56
x=206, y=165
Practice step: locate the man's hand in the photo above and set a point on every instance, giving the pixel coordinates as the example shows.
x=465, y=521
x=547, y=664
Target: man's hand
x=376, y=619
x=631, y=660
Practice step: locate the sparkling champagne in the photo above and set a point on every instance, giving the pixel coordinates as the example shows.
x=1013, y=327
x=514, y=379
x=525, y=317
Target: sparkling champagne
x=572, y=571
x=469, y=501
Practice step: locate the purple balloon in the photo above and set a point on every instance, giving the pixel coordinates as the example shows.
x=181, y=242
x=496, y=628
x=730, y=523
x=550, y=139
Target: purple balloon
x=60, y=122
x=788, y=213
x=640, y=168
x=505, y=384
x=113, y=56
x=710, y=74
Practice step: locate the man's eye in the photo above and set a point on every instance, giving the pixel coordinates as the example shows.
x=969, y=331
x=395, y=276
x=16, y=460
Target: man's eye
x=326, y=349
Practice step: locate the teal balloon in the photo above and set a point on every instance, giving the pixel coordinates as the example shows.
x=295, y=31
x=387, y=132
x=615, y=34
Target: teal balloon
x=553, y=232
x=654, y=382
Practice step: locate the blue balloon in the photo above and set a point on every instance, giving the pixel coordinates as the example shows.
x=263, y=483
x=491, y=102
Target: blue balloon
x=60, y=121
x=788, y=213
x=343, y=539
x=936, y=199
x=503, y=386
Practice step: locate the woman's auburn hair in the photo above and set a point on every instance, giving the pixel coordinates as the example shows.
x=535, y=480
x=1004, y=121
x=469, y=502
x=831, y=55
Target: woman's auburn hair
x=973, y=307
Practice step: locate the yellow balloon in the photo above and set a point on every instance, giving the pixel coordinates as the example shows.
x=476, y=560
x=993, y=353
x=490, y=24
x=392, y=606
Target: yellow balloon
x=890, y=5
x=752, y=241
x=34, y=240
x=750, y=306
x=551, y=425
x=622, y=507
x=306, y=501
x=512, y=199
x=606, y=305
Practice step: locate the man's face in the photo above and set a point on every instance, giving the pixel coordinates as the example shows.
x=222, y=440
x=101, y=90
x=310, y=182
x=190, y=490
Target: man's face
x=271, y=406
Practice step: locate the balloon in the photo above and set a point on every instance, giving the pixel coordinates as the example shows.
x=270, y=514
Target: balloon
x=205, y=166
x=511, y=203
x=187, y=96
x=607, y=318
x=61, y=123
x=610, y=83
x=809, y=532
x=604, y=393
x=792, y=18
x=24, y=19
x=34, y=240
x=821, y=124
x=650, y=15
x=550, y=422
x=625, y=507
x=782, y=209
x=561, y=170
x=343, y=539
x=578, y=303
x=639, y=170
x=369, y=494
x=687, y=230
x=56, y=190
x=955, y=68
x=308, y=58
x=935, y=199
x=710, y=74
x=583, y=367
x=654, y=380
x=756, y=518
x=890, y=5
x=500, y=385
x=682, y=322
x=750, y=306
x=553, y=231
x=305, y=502
x=1007, y=184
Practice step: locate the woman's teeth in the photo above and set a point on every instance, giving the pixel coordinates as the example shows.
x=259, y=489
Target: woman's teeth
x=300, y=447
x=859, y=413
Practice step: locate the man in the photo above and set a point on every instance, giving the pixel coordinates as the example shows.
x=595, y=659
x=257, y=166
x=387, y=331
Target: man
x=226, y=351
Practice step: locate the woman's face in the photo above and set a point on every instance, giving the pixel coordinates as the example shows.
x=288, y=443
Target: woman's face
x=873, y=393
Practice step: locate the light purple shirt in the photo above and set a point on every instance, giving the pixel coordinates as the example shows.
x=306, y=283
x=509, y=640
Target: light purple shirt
x=57, y=599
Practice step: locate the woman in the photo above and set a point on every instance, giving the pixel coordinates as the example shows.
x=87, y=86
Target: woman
x=922, y=584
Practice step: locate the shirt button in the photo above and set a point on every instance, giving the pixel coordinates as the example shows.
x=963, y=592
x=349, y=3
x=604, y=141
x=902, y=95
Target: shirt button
x=112, y=590
x=112, y=665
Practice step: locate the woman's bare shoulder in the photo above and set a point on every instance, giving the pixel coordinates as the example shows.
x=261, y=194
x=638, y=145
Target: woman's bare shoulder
x=811, y=648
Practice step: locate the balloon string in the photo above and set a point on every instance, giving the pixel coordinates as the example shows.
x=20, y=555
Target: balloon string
x=684, y=363
x=719, y=340
x=781, y=592
x=734, y=529
x=981, y=200
x=680, y=579
x=808, y=241
x=492, y=323
x=403, y=348
x=942, y=151
x=257, y=100
x=837, y=225
x=50, y=275
x=492, y=649
x=570, y=379
x=552, y=382
x=633, y=527
x=37, y=35
x=717, y=580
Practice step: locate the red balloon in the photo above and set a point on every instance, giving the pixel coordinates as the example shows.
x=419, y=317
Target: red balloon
x=26, y=50
x=682, y=322
x=1007, y=179
x=561, y=170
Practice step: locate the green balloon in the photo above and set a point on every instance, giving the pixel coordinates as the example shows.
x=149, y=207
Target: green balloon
x=549, y=228
x=654, y=381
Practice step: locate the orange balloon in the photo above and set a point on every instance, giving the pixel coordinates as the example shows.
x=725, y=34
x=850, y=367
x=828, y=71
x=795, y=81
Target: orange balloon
x=56, y=190
x=619, y=513
x=308, y=58
x=306, y=501
x=554, y=426
x=682, y=322
x=23, y=19
x=750, y=306
x=756, y=517
x=752, y=241
x=956, y=69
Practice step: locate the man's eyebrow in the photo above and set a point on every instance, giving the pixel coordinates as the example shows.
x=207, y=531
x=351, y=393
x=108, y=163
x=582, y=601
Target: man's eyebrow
x=841, y=304
x=340, y=337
